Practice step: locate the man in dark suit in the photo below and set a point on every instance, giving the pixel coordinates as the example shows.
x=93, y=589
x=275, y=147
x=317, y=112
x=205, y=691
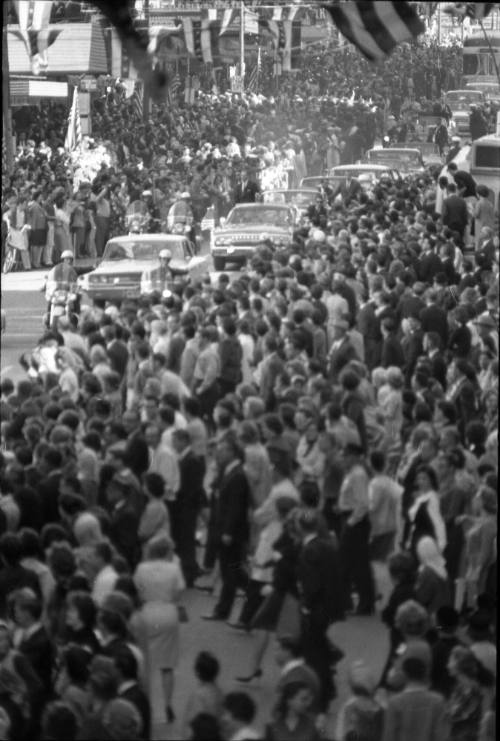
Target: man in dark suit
x=433, y=318
x=369, y=325
x=461, y=393
x=412, y=344
x=247, y=190
x=116, y=349
x=455, y=214
x=320, y=600
x=231, y=523
x=189, y=500
x=392, y=352
x=433, y=349
x=342, y=350
x=48, y=488
x=410, y=301
x=429, y=264
x=34, y=644
x=128, y=687
x=349, y=189
x=13, y=576
x=124, y=524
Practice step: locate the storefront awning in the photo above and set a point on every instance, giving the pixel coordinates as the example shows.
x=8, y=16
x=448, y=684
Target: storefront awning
x=75, y=48
x=27, y=92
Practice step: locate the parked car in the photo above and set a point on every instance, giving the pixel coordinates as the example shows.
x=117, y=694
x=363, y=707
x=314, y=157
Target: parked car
x=406, y=161
x=249, y=226
x=126, y=259
x=460, y=102
x=301, y=198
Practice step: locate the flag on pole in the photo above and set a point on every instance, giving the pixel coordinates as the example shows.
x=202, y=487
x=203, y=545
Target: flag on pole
x=137, y=100
x=33, y=17
x=476, y=11
x=73, y=138
x=375, y=28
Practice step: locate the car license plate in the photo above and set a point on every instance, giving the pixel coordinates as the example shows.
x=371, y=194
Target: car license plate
x=230, y=250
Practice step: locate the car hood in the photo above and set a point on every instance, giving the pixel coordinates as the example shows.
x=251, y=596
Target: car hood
x=251, y=229
x=118, y=267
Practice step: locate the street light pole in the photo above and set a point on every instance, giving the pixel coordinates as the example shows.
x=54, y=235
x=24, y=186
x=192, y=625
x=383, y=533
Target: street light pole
x=146, y=98
x=7, y=115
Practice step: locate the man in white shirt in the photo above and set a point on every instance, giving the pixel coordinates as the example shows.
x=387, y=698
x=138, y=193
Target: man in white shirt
x=105, y=581
x=163, y=460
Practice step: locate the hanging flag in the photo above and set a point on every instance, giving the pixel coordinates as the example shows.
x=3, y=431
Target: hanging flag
x=137, y=100
x=228, y=19
x=201, y=39
x=33, y=18
x=375, y=28
x=476, y=11
x=73, y=138
x=135, y=41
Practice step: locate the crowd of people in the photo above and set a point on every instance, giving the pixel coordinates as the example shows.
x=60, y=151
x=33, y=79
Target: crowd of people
x=326, y=419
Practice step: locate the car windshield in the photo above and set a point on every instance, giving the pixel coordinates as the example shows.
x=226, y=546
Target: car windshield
x=256, y=216
x=401, y=160
x=461, y=100
x=296, y=197
x=355, y=173
x=142, y=250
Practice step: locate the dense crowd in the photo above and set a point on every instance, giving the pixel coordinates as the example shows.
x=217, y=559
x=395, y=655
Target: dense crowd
x=319, y=432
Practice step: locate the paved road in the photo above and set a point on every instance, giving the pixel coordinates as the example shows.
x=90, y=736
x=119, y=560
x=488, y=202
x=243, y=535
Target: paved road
x=358, y=637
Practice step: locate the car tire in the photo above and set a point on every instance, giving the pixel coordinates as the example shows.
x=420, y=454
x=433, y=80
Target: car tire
x=219, y=263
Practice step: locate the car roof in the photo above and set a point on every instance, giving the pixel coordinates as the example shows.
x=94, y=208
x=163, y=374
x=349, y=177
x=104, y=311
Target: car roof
x=148, y=238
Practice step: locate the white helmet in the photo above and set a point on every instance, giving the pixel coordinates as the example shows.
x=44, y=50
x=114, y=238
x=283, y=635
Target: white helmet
x=166, y=254
x=67, y=254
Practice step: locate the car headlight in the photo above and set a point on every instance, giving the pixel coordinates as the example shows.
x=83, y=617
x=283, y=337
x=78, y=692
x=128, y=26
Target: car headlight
x=221, y=241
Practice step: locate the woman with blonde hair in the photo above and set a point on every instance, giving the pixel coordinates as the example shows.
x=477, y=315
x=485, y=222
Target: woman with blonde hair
x=155, y=626
x=87, y=531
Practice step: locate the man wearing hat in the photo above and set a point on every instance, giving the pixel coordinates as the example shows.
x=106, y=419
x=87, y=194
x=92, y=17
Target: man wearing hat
x=342, y=350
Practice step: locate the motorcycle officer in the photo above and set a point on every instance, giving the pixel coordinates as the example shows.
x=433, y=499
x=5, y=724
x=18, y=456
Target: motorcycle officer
x=63, y=276
x=164, y=274
x=181, y=214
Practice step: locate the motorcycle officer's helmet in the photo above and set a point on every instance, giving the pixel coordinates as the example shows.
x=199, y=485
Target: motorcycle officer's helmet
x=165, y=254
x=67, y=255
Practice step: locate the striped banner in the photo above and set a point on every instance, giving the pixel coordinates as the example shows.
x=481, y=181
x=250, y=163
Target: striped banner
x=73, y=138
x=33, y=18
x=137, y=100
x=375, y=28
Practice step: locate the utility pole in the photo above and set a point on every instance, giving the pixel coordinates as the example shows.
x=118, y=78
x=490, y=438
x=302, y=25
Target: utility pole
x=7, y=115
x=146, y=99
x=242, y=45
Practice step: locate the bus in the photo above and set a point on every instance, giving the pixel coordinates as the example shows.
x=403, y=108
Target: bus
x=477, y=63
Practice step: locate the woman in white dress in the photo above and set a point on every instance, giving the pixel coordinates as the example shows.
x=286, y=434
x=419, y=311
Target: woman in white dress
x=155, y=626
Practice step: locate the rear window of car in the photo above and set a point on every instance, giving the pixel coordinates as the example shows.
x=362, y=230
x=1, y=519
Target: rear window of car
x=488, y=157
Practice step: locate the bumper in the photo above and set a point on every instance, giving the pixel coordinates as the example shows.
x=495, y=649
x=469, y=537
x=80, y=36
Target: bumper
x=233, y=252
x=102, y=292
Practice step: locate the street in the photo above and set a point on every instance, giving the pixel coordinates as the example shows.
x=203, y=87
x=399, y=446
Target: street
x=358, y=637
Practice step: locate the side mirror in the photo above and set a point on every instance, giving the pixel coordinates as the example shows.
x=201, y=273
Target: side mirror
x=222, y=220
